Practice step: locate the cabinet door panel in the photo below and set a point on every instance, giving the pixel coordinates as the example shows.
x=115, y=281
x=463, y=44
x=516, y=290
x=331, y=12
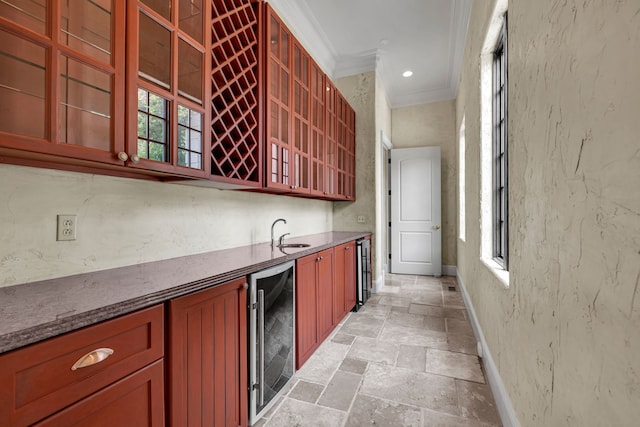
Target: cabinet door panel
x=325, y=294
x=136, y=400
x=306, y=309
x=63, y=90
x=339, y=283
x=349, y=276
x=167, y=59
x=208, y=357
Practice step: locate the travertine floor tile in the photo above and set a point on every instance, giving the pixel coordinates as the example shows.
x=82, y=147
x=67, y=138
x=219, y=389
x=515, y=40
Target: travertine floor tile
x=476, y=402
x=462, y=343
x=363, y=325
x=296, y=413
x=453, y=299
x=324, y=362
x=456, y=365
x=434, y=323
x=306, y=391
x=455, y=326
x=412, y=388
x=375, y=310
x=412, y=357
x=398, y=334
x=394, y=301
x=374, y=351
x=405, y=319
x=422, y=286
x=343, y=339
x=368, y=411
x=354, y=366
x=340, y=391
x=438, y=419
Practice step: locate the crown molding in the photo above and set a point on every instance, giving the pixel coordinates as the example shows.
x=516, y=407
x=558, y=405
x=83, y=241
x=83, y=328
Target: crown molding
x=460, y=14
x=422, y=97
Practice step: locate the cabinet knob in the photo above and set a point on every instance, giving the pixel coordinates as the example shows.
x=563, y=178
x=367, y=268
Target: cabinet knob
x=347, y=248
x=319, y=259
x=123, y=156
x=93, y=357
x=134, y=158
x=245, y=286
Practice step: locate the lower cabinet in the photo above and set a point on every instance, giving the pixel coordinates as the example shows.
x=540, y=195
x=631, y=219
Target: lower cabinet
x=106, y=374
x=207, y=357
x=344, y=282
x=314, y=302
x=325, y=293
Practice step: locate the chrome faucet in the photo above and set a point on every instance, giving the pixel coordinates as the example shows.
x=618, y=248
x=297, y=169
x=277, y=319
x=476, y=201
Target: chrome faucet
x=281, y=239
x=273, y=225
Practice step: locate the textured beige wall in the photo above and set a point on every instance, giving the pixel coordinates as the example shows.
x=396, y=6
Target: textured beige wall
x=383, y=124
x=565, y=334
x=124, y=221
x=434, y=125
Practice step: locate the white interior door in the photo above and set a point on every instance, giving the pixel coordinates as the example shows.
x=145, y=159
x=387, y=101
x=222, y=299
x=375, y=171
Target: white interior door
x=416, y=234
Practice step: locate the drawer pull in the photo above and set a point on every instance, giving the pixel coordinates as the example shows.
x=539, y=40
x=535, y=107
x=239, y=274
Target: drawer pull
x=96, y=356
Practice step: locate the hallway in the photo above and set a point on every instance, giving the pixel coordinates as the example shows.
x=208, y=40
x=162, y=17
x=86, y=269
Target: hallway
x=407, y=358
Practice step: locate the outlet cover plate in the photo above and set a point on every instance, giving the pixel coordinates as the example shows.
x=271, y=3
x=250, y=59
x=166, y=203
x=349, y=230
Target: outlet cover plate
x=67, y=227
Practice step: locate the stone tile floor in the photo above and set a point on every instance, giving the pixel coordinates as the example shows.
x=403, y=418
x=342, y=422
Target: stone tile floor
x=407, y=358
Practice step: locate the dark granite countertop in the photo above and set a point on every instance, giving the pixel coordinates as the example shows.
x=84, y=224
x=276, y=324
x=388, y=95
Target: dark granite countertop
x=35, y=311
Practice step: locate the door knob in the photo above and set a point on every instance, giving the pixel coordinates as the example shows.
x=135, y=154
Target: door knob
x=436, y=227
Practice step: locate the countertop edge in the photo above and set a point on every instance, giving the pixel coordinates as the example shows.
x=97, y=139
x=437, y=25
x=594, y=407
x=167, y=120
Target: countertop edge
x=30, y=335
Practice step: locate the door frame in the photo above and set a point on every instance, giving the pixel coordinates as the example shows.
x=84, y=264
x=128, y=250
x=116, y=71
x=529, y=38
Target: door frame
x=385, y=230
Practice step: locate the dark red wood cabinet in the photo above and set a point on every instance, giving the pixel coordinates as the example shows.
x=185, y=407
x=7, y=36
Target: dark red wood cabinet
x=325, y=293
x=314, y=302
x=62, y=80
x=210, y=90
x=344, y=282
x=207, y=359
x=43, y=384
x=236, y=92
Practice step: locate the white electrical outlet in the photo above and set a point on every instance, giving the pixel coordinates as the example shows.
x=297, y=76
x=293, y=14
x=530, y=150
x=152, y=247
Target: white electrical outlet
x=361, y=219
x=67, y=227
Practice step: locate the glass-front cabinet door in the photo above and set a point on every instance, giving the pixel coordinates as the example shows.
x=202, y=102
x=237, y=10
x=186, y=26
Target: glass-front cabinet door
x=62, y=77
x=278, y=108
x=167, y=105
x=318, y=150
x=301, y=122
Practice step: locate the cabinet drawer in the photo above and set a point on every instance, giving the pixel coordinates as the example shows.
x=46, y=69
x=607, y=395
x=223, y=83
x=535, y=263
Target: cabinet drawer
x=38, y=380
x=137, y=400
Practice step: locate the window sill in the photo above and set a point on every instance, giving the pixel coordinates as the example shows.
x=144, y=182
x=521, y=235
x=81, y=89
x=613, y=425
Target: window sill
x=500, y=273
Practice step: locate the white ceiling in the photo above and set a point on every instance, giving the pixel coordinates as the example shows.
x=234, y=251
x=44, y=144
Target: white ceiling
x=348, y=37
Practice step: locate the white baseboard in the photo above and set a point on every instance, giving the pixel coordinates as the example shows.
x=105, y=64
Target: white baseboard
x=503, y=402
x=449, y=270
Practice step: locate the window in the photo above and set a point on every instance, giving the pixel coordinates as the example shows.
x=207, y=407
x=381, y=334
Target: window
x=500, y=160
x=462, y=147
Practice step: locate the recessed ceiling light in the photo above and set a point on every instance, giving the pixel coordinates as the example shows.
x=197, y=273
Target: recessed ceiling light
x=407, y=73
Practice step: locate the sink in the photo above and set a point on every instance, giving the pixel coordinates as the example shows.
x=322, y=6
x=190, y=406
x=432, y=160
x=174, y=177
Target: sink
x=294, y=245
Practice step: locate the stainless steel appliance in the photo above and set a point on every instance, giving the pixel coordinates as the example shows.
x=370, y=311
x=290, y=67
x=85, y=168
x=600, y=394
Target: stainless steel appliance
x=271, y=335
x=363, y=272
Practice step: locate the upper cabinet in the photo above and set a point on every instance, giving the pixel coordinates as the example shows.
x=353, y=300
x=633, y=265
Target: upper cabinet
x=278, y=104
x=216, y=90
x=167, y=92
x=236, y=151
x=62, y=78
